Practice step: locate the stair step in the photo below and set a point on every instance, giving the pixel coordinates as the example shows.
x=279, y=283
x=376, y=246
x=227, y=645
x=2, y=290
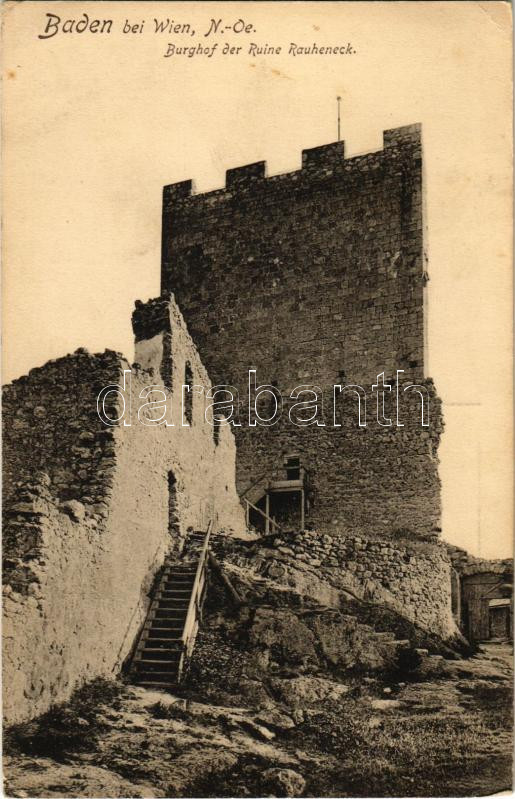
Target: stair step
x=158, y=656
x=170, y=582
x=175, y=598
x=170, y=622
x=173, y=586
x=177, y=613
x=188, y=572
x=172, y=629
x=172, y=654
x=154, y=639
x=182, y=568
x=166, y=624
x=160, y=676
x=169, y=626
x=173, y=649
x=166, y=685
x=170, y=640
x=173, y=575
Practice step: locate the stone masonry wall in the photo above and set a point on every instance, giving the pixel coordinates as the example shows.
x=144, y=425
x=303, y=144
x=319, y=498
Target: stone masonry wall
x=317, y=277
x=305, y=274
x=370, y=480
x=87, y=515
x=411, y=577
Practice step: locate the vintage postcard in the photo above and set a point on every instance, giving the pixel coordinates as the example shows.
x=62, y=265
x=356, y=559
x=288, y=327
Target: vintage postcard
x=257, y=403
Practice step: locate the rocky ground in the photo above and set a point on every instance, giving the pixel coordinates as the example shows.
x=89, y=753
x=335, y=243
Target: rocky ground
x=286, y=696
x=448, y=735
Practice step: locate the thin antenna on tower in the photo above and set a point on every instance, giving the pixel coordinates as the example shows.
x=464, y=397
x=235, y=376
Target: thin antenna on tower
x=338, y=99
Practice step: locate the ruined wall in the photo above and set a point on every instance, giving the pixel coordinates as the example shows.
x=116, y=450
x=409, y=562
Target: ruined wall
x=87, y=515
x=477, y=581
x=316, y=277
x=466, y=564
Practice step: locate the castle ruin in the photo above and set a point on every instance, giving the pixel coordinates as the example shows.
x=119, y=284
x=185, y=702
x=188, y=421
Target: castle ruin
x=315, y=278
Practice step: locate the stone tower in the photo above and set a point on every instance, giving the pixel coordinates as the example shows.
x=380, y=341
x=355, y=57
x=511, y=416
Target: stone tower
x=317, y=278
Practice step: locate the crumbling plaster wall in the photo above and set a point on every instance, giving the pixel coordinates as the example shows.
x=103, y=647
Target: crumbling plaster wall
x=87, y=516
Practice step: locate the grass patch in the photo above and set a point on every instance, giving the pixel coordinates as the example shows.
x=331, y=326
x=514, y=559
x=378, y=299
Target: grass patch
x=67, y=727
x=404, y=755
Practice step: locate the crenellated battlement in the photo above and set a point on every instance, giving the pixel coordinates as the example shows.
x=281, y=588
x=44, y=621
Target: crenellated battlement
x=328, y=155
x=178, y=191
x=315, y=162
x=408, y=134
x=245, y=175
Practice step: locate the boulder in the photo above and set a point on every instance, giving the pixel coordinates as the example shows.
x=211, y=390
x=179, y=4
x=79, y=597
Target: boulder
x=304, y=690
x=254, y=692
x=74, y=509
x=284, y=781
x=275, y=720
x=344, y=644
x=287, y=638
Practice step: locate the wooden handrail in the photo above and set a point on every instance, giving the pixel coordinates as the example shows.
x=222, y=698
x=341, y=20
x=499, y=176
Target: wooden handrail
x=263, y=514
x=192, y=616
x=253, y=485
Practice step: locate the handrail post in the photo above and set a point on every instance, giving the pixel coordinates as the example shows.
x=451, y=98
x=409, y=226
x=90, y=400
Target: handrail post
x=269, y=519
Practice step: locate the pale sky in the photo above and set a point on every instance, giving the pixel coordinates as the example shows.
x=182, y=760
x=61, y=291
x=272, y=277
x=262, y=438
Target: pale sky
x=96, y=123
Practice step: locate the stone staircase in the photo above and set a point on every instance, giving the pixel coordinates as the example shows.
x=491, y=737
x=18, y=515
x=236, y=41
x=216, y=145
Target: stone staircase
x=166, y=642
x=168, y=636
x=391, y=646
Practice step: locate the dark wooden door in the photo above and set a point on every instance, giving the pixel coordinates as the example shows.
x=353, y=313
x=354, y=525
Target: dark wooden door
x=499, y=622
